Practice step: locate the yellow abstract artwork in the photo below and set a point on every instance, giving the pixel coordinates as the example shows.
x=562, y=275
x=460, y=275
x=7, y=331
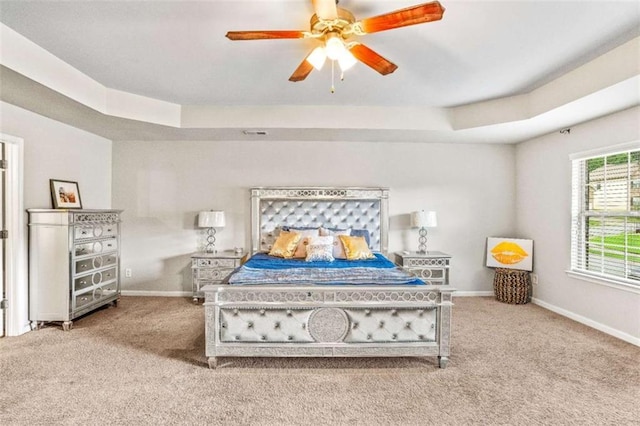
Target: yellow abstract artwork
x=510, y=253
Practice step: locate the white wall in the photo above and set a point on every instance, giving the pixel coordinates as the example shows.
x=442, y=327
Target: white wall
x=53, y=150
x=162, y=185
x=543, y=212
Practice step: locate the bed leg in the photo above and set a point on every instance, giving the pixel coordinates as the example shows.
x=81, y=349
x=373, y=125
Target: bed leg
x=213, y=362
x=442, y=361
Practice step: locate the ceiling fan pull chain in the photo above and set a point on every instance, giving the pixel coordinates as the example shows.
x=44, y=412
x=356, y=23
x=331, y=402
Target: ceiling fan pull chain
x=333, y=88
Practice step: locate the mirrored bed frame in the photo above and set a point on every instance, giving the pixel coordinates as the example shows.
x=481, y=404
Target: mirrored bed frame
x=325, y=320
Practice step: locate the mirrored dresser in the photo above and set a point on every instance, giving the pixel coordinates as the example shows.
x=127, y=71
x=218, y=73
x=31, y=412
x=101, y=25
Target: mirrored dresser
x=74, y=258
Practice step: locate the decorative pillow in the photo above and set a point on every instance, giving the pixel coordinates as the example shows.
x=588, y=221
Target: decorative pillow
x=305, y=235
x=356, y=248
x=285, y=245
x=338, y=249
x=319, y=253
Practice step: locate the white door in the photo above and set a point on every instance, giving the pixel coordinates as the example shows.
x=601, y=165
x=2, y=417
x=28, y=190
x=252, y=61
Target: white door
x=3, y=280
x=14, y=287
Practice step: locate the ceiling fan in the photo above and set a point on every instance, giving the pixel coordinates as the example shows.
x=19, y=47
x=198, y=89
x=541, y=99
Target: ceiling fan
x=334, y=26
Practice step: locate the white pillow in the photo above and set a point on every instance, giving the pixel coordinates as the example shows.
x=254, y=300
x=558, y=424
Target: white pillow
x=338, y=248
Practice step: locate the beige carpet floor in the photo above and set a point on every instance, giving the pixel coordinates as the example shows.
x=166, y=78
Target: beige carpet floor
x=143, y=363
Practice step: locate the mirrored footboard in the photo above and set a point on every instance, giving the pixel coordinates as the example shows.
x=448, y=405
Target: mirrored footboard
x=327, y=321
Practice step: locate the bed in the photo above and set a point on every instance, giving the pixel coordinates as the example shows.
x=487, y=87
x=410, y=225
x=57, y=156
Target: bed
x=301, y=311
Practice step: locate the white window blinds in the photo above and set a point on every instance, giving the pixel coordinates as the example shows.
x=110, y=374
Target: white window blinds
x=605, y=238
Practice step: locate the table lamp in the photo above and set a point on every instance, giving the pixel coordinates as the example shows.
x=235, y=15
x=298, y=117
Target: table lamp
x=423, y=220
x=211, y=219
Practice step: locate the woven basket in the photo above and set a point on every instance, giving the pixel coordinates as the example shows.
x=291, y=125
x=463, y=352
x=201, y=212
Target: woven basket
x=511, y=286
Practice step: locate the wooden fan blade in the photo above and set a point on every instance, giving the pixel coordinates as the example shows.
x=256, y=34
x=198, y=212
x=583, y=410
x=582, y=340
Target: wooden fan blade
x=325, y=9
x=303, y=70
x=263, y=35
x=372, y=59
x=419, y=14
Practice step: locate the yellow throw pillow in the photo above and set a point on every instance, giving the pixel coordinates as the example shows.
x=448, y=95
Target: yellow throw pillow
x=285, y=245
x=356, y=248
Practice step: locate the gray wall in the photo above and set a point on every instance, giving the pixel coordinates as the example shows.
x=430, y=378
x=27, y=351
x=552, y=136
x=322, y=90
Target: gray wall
x=53, y=150
x=543, y=212
x=162, y=186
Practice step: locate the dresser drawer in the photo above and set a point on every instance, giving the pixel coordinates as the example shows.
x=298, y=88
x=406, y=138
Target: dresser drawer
x=99, y=230
x=96, y=295
x=216, y=263
x=95, y=279
x=83, y=300
x=86, y=265
x=96, y=247
x=82, y=283
x=105, y=291
x=212, y=274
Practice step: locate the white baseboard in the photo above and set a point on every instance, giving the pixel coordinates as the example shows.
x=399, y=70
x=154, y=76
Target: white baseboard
x=588, y=322
x=472, y=293
x=156, y=293
x=24, y=329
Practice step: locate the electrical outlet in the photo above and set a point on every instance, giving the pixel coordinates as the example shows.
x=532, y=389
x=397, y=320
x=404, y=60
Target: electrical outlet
x=534, y=279
x=127, y=273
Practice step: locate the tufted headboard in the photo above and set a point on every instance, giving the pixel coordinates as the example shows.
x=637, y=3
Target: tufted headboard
x=356, y=208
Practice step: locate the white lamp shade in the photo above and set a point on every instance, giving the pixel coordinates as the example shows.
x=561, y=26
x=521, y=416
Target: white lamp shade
x=346, y=60
x=422, y=219
x=317, y=58
x=334, y=47
x=211, y=219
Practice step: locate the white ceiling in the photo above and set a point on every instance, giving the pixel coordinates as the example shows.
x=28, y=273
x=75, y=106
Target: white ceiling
x=175, y=51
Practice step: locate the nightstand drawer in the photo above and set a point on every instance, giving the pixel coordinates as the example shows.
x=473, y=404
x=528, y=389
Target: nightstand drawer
x=212, y=274
x=216, y=263
x=426, y=263
x=429, y=274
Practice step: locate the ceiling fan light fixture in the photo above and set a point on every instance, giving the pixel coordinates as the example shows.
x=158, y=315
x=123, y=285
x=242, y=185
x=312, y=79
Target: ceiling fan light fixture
x=317, y=57
x=346, y=60
x=334, y=47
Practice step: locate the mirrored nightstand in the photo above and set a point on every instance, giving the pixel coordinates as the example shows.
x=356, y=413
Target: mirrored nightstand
x=432, y=267
x=213, y=268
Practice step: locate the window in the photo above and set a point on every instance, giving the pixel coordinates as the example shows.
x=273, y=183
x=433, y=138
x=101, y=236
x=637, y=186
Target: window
x=605, y=216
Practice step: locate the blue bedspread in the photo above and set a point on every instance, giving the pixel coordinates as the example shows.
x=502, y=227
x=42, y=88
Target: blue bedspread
x=265, y=269
x=264, y=261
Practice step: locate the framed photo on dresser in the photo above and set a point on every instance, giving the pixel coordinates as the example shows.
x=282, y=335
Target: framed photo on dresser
x=65, y=194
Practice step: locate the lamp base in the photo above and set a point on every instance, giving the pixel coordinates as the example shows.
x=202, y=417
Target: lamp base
x=211, y=241
x=422, y=241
